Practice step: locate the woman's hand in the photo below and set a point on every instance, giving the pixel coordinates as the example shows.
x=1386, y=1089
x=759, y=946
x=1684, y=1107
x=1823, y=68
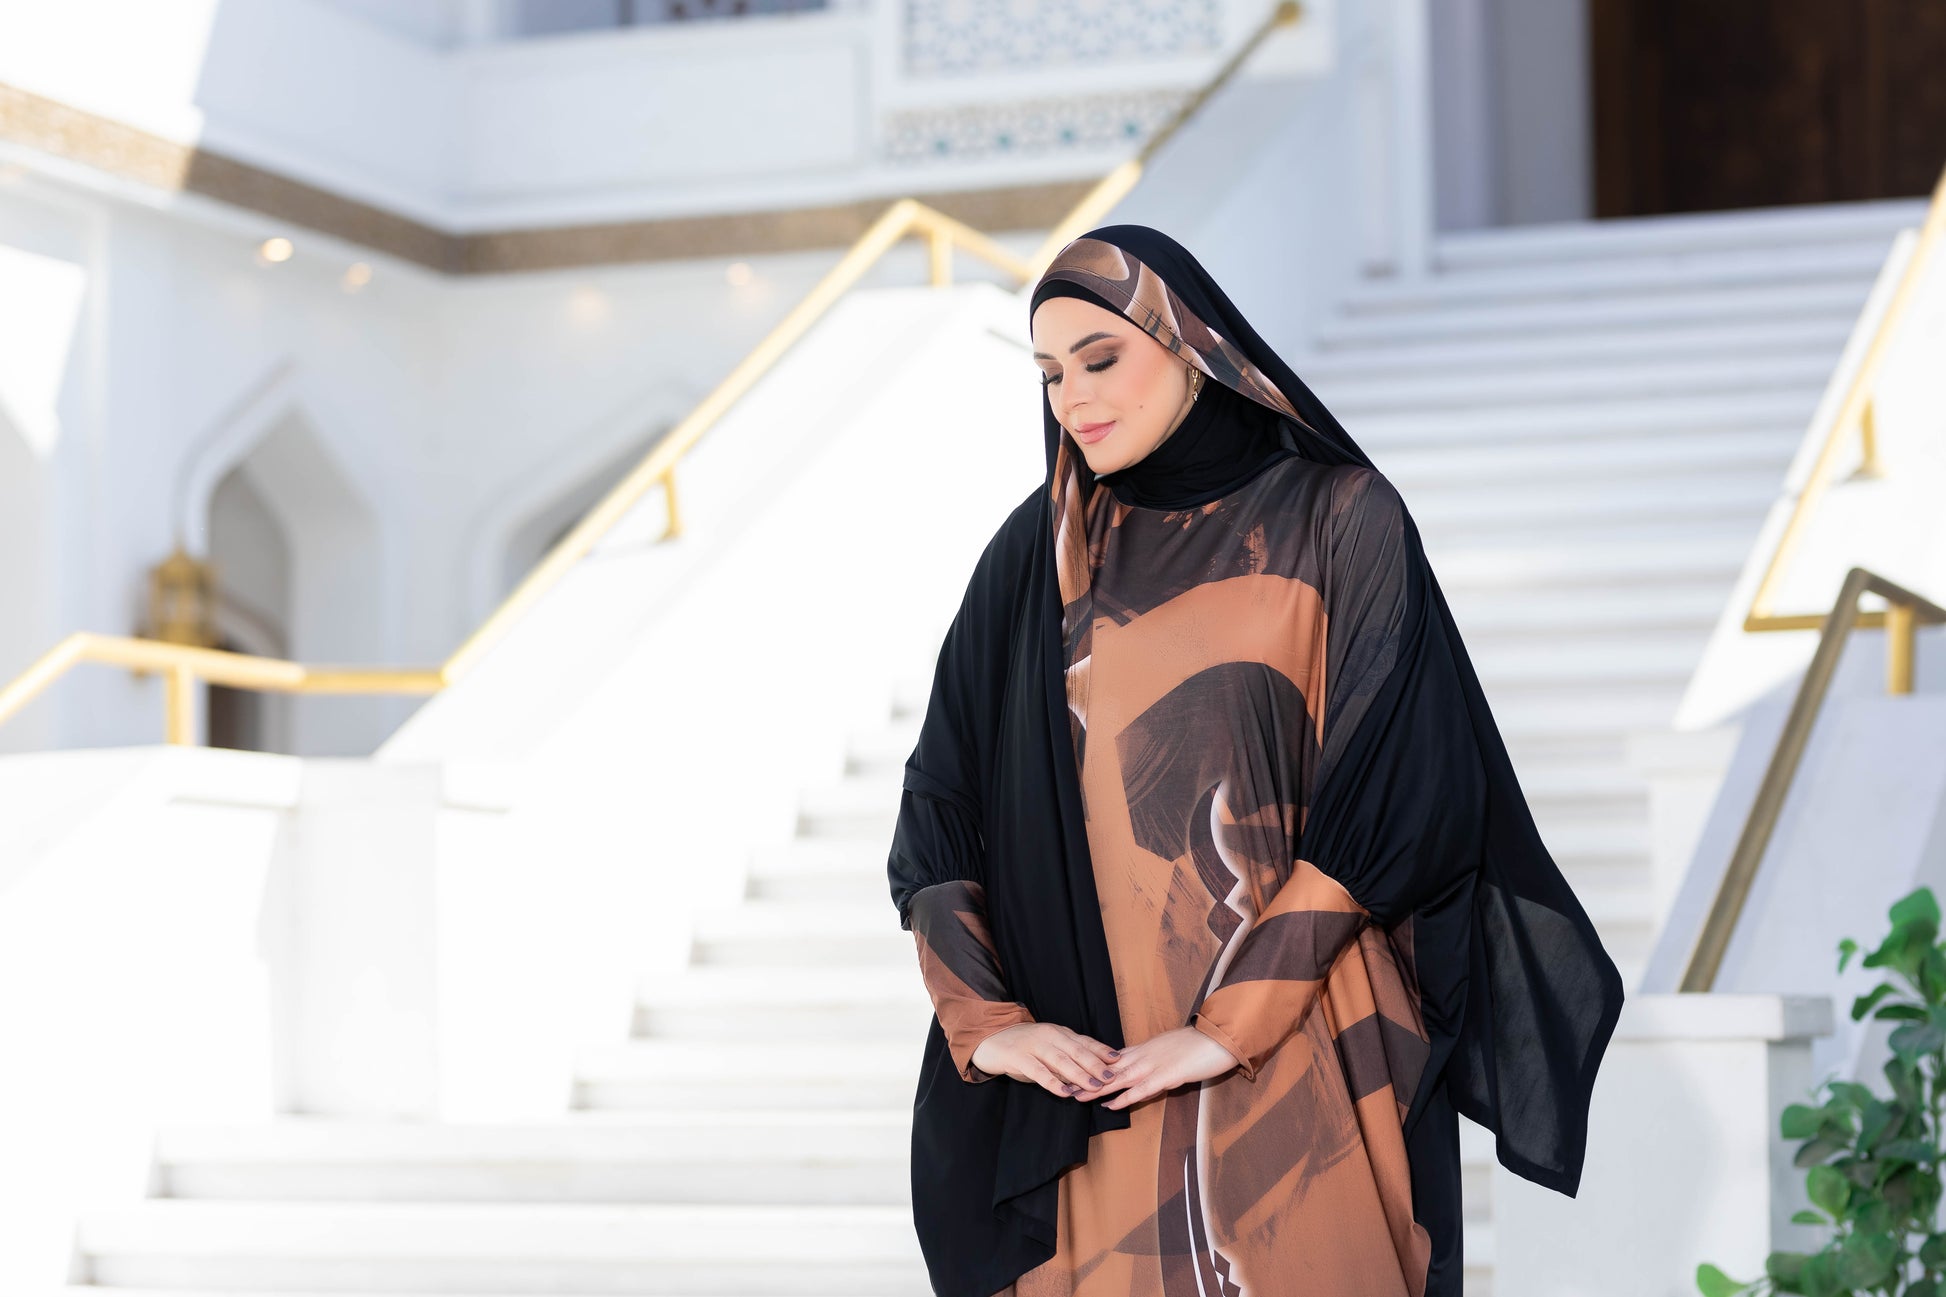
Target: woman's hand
x=1061, y=1061
x=1163, y=1062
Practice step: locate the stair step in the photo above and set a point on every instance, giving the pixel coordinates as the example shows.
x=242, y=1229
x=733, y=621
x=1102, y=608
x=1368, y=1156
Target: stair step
x=1421, y=473
x=861, y=928
x=1672, y=272
x=780, y=875
x=715, y=1074
x=1353, y=395
x=1691, y=605
x=786, y=1006
x=1649, y=415
x=92, y=1290
x=1583, y=509
x=1807, y=341
x=1729, y=309
x=652, y=1248
x=700, y=1155
x=1716, y=551
x=1870, y=221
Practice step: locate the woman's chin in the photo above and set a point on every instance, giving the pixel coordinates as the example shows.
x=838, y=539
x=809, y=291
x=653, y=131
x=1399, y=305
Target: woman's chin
x=1101, y=458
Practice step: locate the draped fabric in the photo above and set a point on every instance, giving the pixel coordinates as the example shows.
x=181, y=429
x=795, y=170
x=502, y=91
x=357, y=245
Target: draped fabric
x=1336, y=804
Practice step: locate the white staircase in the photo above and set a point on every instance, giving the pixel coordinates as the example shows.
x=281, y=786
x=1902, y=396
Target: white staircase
x=1588, y=423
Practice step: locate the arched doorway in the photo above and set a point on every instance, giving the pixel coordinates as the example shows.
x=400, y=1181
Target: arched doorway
x=251, y=555
x=295, y=548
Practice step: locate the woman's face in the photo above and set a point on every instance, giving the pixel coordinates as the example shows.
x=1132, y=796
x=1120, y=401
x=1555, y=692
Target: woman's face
x=1099, y=369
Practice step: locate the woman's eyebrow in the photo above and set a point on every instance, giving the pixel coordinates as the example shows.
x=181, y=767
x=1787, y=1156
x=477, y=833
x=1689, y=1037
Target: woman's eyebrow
x=1042, y=355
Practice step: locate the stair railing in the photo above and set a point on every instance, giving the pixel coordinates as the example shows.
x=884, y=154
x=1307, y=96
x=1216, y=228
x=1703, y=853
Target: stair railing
x=1904, y=613
x=184, y=665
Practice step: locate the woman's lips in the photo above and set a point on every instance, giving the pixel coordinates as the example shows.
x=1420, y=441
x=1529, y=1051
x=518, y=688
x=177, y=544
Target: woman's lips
x=1086, y=435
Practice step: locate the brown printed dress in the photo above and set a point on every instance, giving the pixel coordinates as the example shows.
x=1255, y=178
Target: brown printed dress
x=1196, y=645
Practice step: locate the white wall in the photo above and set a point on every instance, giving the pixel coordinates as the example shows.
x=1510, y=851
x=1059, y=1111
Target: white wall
x=1513, y=86
x=408, y=432
x=752, y=114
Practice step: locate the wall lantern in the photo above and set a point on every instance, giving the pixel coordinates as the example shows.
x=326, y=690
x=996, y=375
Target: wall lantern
x=182, y=600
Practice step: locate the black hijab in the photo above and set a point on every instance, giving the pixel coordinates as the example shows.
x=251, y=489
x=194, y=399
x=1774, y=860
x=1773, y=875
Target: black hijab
x=1422, y=817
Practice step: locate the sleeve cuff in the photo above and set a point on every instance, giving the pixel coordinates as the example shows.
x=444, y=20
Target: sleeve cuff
x=1228, y=1042
x=965, y=1039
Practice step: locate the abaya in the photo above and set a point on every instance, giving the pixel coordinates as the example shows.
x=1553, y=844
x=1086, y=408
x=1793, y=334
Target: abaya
x=1204, y=748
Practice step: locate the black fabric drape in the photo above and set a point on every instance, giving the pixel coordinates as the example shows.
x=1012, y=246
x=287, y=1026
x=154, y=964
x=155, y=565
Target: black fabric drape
x=1419, y=816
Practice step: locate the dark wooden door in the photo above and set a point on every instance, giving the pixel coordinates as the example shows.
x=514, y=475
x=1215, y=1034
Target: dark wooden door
x=1709, y=104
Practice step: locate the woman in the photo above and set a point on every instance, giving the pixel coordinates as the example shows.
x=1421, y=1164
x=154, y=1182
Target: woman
x=1222, y=885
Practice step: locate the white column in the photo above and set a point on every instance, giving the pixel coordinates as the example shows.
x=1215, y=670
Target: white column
x=1412, y=136
x=1684, y=1163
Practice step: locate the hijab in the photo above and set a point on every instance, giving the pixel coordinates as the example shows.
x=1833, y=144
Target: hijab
x=1222, y=442
x=1421, y=816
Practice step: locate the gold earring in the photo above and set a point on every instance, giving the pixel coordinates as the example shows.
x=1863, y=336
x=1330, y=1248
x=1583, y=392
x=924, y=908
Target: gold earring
x=1195, y=383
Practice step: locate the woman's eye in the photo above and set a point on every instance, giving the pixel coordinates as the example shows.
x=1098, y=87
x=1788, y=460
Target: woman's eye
x=1095, y=368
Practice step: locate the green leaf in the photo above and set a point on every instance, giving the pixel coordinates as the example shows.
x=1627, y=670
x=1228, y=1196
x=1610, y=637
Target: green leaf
x=1901, y=1189
x=1910, y=1150
x=1907, y=1083
x=1846, y=949
x=1916, y=908
x=1818, y=1278
x=1818, y=1151
x=1867, y=1260
x=1860, y=1172
x=1801, y=1121
x=1852, y=1093
x=1809, y=1217
x=1879, y=1122
x=1932, y=974
x=1828, y=1189
x=1916, y=1038
x=1712, y=1282
x=1932, y=1253
x=1902, y=1009
x=1863, y=1004
x=1786, y=1270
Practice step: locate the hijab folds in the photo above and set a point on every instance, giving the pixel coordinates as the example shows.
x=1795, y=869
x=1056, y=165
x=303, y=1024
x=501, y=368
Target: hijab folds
x=1420, y=816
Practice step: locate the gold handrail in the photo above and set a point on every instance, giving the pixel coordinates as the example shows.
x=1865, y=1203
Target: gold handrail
x=1854, y=412
x=1904, y=614
x=183, y=665
x=1901, y=618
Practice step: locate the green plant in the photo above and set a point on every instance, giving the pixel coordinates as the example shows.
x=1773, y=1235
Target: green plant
x=1874, y=1162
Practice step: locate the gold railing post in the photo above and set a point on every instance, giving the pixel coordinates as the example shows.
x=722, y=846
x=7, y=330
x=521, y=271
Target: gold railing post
x=1868, y=465
x=939, y=247
x=179, y=704
x=674, y=529
x=1901, y=642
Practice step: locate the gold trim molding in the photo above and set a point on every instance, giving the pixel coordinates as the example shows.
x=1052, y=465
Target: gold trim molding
x=119, y=149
